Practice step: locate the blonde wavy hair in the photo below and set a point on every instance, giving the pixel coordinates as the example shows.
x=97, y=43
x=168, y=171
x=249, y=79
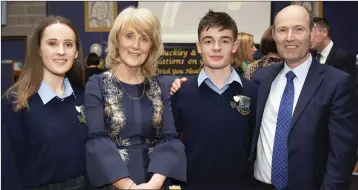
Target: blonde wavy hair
x=144, y=22
x=245, y=43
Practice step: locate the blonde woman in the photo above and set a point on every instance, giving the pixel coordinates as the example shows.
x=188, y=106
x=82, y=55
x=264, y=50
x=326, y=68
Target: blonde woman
x=132, y=141
x=245, y=53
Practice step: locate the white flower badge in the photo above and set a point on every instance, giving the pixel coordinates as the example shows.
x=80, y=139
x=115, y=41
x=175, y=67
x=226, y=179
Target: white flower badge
x=242, y=103
x=81, y=111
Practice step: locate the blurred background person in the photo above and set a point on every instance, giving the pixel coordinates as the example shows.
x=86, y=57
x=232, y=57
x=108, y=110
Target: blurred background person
x=245, y=53
x=269, y=50
x=92, y=62
x=328, y=52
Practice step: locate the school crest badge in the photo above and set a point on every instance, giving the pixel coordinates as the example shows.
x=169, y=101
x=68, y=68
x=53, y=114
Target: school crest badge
x=241, y=103
x=81, y=111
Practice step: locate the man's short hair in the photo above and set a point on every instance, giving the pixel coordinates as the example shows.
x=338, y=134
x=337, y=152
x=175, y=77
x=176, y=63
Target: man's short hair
x=322, y=23
x=93, y=59
x=217, y=19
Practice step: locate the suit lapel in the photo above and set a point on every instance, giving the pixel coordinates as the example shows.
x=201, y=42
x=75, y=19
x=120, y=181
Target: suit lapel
x=331, y=55
x=312, y=82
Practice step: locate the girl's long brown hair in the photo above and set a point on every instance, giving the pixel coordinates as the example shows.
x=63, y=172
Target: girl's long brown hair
x=32, y=73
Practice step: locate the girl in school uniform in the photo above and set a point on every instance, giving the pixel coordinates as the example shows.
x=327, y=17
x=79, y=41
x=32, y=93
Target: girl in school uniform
x=43, y=121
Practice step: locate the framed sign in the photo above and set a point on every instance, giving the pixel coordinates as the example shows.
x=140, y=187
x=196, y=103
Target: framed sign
x=179, y=59
x=99, y=15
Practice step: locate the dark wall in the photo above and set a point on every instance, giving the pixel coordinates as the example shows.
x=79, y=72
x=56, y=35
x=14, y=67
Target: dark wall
x=343, y=18
x=12, y=49
x=276, y=6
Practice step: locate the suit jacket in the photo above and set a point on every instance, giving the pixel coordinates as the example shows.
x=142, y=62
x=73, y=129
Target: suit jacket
x=342, y=60
x=323, y=139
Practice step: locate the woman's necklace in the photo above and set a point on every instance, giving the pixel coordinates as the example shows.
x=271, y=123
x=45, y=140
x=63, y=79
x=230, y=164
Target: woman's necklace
x=133, y=98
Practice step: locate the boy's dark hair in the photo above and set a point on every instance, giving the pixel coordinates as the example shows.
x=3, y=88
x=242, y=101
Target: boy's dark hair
x=93, y=59
x=217, y=19
x=322, y=23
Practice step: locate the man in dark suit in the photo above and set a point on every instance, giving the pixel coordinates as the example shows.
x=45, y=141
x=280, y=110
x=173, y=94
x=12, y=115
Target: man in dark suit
x=306, y=133
x=328, y=52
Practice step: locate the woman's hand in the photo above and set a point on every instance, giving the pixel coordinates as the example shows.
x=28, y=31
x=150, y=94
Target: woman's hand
x=124, y=183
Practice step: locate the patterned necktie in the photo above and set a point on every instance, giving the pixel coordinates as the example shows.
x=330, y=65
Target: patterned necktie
x=279, y=170
x=318, y=57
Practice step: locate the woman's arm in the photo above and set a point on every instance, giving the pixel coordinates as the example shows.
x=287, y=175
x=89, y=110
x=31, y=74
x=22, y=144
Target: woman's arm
x=104, y=163
x=168, y=159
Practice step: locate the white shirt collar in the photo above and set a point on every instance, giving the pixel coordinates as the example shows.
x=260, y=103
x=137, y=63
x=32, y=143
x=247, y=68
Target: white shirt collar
x=233, y=77
x=46, y=93
x=300, y=71
x=326, y=50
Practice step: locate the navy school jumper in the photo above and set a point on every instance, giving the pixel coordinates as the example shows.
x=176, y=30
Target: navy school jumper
x=216, y=136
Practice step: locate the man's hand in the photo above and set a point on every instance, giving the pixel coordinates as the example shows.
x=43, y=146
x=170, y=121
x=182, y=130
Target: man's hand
x=176, y=85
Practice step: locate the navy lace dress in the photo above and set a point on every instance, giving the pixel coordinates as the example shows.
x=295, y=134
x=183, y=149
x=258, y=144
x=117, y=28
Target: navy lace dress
x=129, y=137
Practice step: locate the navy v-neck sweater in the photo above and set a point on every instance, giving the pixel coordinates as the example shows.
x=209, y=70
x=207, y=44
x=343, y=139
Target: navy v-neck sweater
x=45, y=144
x=216, y=136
